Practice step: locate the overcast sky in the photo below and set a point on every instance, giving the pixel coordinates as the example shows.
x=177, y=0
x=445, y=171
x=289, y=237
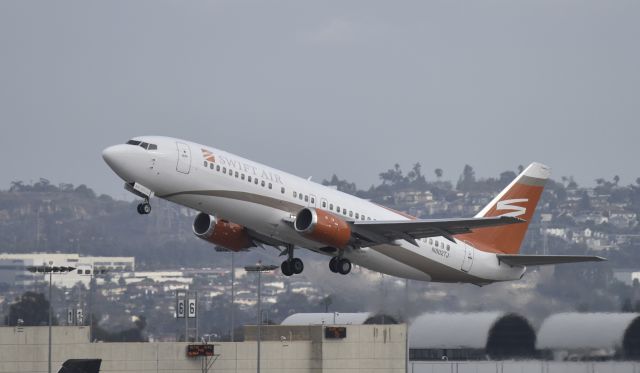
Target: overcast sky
x=314, y=88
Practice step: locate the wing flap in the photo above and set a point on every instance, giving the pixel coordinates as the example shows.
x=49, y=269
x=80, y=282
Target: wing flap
x=540, y=260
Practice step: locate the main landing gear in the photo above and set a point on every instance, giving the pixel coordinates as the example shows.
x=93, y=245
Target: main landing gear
x=340, y=265
x=144, y=208
x=292, y=265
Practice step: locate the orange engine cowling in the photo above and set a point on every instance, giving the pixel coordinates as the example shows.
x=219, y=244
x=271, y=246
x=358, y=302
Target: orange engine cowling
x=323, y=227
x=228, y=235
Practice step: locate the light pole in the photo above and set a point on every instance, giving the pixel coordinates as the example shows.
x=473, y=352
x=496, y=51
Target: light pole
x=92, y=284
x=50, y=270
x=260, y=268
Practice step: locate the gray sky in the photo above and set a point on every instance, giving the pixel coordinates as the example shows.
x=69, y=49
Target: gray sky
x=319, y=87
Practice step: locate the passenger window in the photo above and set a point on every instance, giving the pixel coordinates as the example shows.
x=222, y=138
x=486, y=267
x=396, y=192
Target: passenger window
x=436, y=243
x=295, y=194
x=218, y=168
x=338, y=209
x=153, y=147
x=282, y=190
x=249, y=178
x=255, y=181
x=211, y=166
x=448, y=248
x=270, y=185
x=242, y=177
x=363, y=218
x=262, y=183
x=344, y=212
x=224, y=170
x=324, y=204
x=313, y=200
x=306, y=198
x=206, y=164
x=357, y=216
x=237, y=174
x=350, y=213
x=430, y=241
x=331, y=206
x=300, y=196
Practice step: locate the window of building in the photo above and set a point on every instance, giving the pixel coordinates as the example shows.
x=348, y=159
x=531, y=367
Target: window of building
x=79, y=271
x=87, y=272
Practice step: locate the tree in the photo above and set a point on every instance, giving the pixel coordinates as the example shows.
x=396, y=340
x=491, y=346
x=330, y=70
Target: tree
x=467, y=179
x=616, y=180
x=32, y=308
x=439, y=173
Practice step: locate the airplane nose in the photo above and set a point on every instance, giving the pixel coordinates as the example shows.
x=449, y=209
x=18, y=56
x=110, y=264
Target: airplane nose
x=114, y=156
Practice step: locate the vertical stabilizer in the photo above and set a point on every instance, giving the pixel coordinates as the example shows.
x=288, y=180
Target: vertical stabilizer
x=518, y=199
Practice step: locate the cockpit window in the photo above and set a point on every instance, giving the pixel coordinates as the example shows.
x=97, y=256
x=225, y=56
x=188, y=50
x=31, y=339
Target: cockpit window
x=143, y=145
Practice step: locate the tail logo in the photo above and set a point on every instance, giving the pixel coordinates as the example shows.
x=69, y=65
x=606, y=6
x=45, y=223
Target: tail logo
x=511, y=204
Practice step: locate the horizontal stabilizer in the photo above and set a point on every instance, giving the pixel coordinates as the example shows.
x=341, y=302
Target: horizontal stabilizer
x=541, y=260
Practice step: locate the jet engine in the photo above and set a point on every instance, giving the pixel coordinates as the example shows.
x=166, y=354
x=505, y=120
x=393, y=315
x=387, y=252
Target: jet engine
x=323, y=227
x=221, y=232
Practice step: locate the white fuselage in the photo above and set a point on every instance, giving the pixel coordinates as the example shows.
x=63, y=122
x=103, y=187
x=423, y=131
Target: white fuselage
x=222, y=184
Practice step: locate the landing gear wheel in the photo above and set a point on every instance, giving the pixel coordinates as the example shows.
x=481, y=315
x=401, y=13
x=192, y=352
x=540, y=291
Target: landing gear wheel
x=296, y=265
x=286, y=268
x=144, y=208
x=333, y=264
x=344, y=266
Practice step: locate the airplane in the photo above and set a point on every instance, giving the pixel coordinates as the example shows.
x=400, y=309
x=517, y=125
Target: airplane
x=243, y=204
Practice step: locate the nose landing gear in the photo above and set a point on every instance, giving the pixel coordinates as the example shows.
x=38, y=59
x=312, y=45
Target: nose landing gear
x=340, y=265
x=144, y=208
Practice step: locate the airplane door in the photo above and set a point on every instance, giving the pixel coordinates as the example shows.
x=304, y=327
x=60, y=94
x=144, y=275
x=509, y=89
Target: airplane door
x=467, y=261
x=184, y=158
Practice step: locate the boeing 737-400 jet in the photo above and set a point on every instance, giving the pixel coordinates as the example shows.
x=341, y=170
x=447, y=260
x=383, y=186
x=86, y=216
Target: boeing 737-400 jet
x=244, y=204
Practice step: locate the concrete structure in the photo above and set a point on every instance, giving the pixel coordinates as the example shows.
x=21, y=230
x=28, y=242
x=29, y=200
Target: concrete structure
x=342, y=318
x=577, y=336
x=366, y=348
x=12, y=267
x=471, y=336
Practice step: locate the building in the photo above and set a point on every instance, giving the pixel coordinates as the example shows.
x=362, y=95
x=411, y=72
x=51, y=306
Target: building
x=471, y=336
x=13, y=267
x=590, y=336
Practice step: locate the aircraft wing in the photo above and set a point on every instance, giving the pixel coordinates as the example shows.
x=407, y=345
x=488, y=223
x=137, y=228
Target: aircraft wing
x=411, y=230
x=540, y=260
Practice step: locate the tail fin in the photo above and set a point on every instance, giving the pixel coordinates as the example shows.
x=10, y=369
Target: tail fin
x=518, y=199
